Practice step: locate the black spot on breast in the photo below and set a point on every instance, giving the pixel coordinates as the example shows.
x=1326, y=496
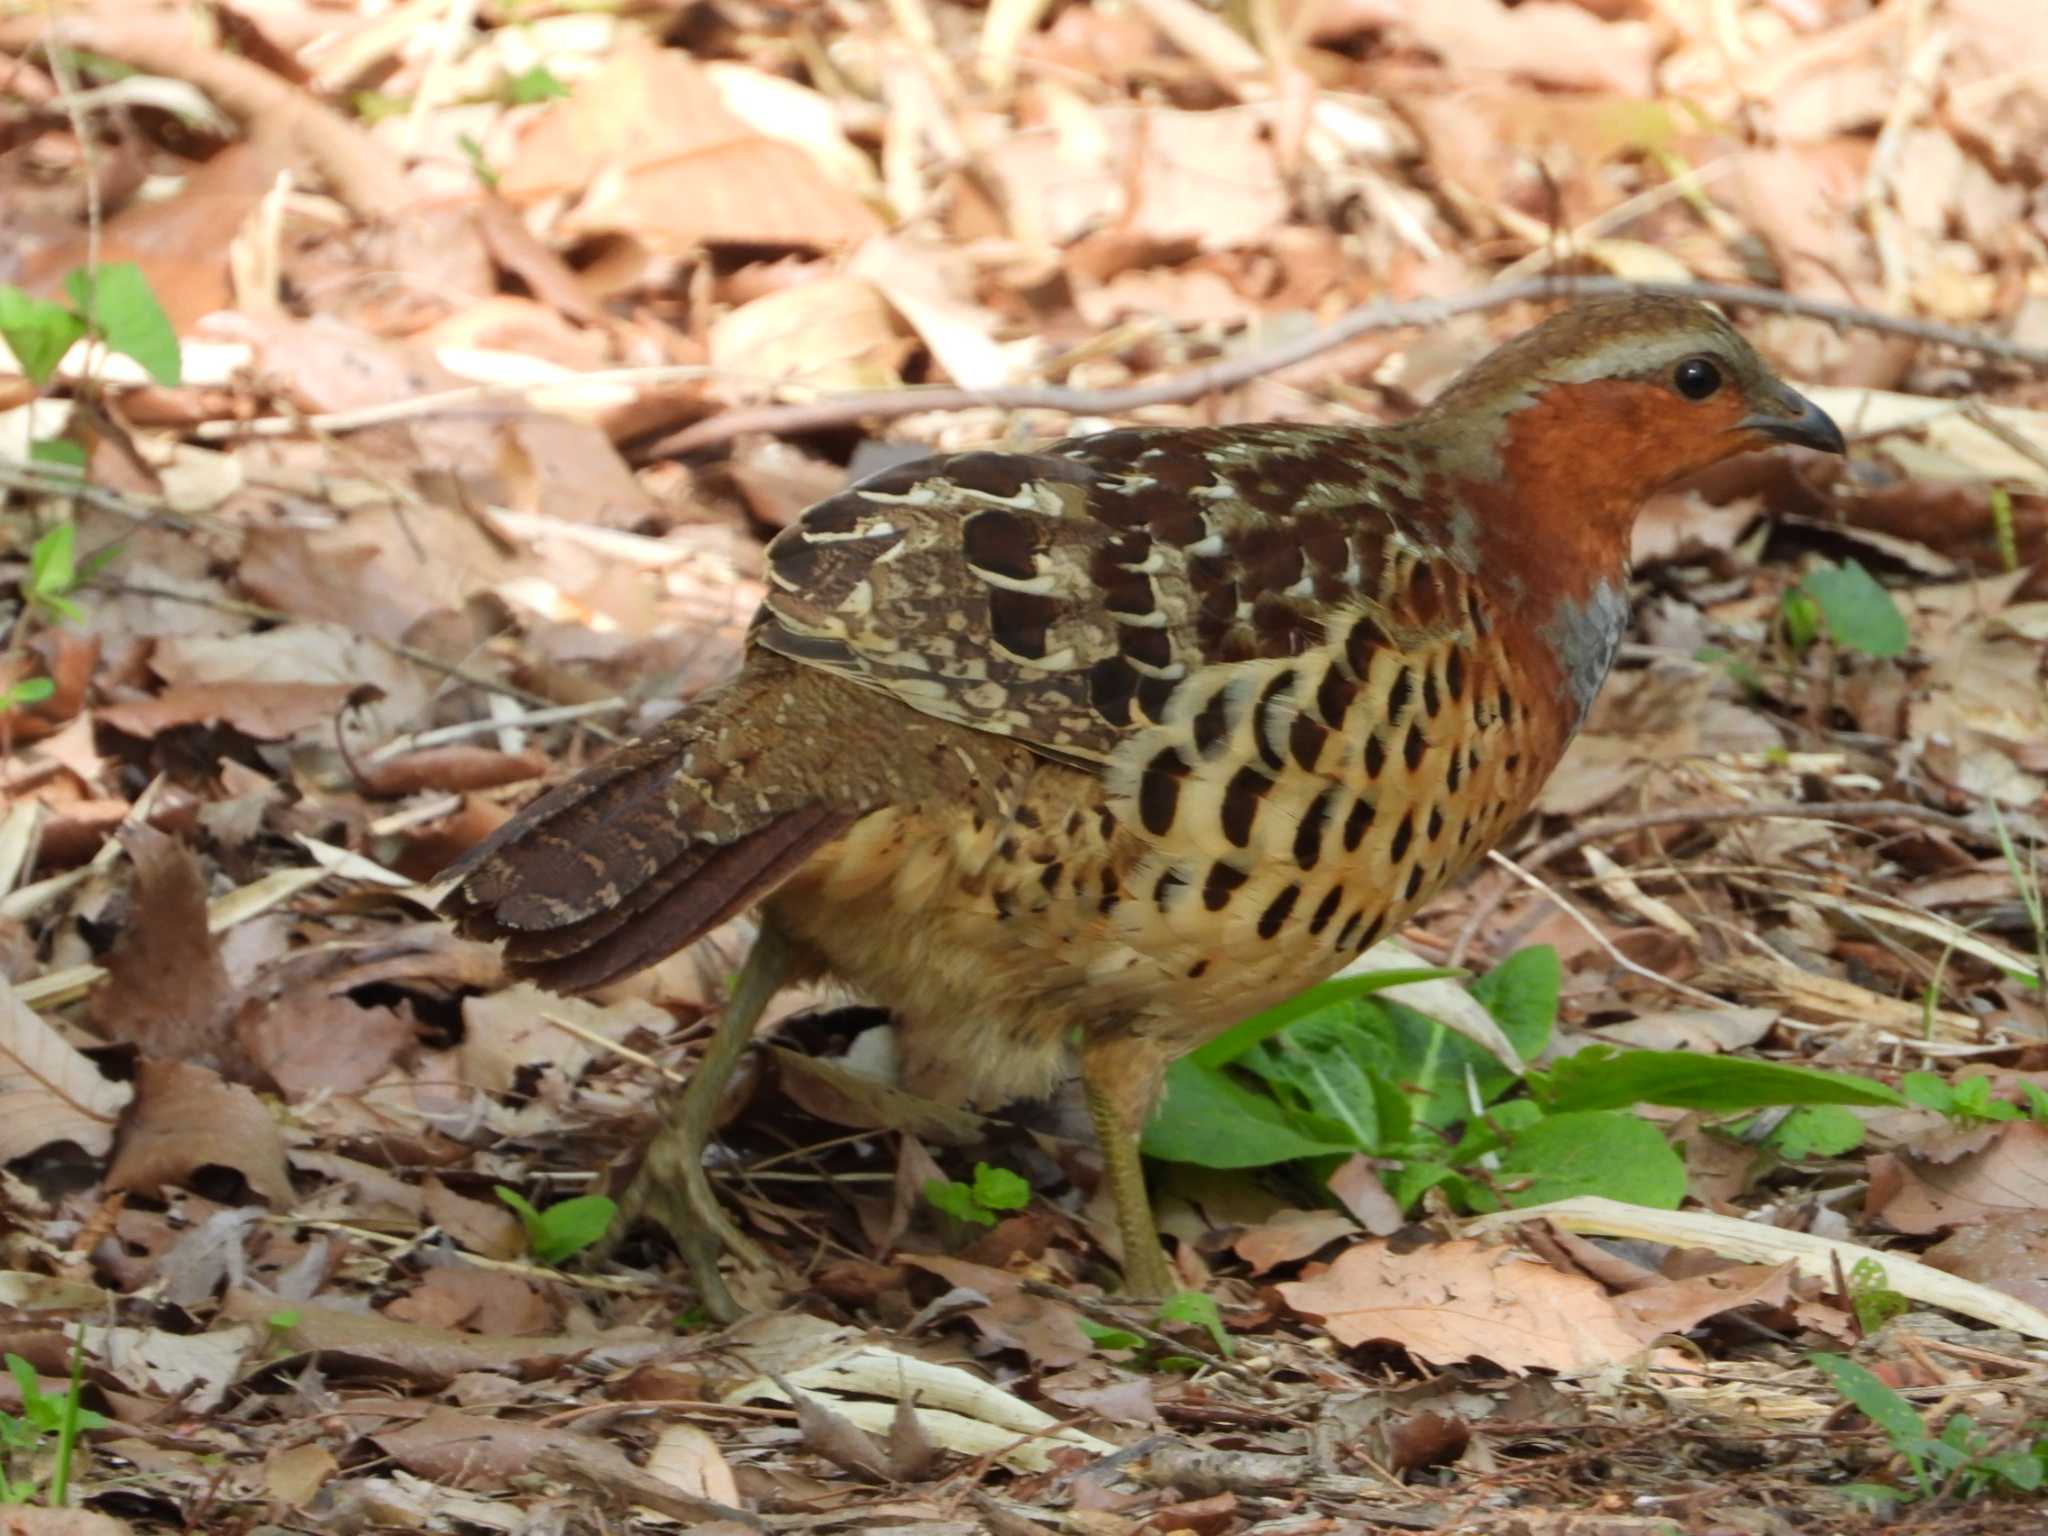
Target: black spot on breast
x=1371, y=936
x=1212, y=723
x=1111, y=682
x=1163, y=888
x=1357, y=824
x=1514, y=763
x=1400, y=694
x=1221, y=885
x=1375, y=755
x=1454, y=672
x=1279, y=686
x=1275, y=915
x=1241, y=799
x=1333, y=697
x=1159, y=791
x=1148, y=644
x=1027, y=817
x=1413, y=748
x=1196, y=971
x=1350, y=927
x=1435, y=829
x=1049, y=877
x=1365, y=638
x=1454, y=772
x=1018, y=621
x=1154, y=694
x=1305, y=740
x=1003, y=543
x=1432, y=696
x=1414, y=882
x=1325, y=910
x=1308, y=837
x=1404, y=834
x=1000, y=899
x=1282, y=629
x=1507, y=706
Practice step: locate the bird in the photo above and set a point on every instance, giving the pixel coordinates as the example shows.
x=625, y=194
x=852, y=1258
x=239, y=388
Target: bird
x=1075, y=757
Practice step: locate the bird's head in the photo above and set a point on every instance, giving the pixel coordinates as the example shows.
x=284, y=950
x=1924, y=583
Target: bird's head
x=1610, y=401
x=1550, y=445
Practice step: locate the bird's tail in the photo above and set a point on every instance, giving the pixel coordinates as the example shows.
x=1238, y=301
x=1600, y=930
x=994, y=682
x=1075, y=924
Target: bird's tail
x=654, y=846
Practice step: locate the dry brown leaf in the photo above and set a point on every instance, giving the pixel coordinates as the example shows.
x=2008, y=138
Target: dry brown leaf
x=184, y=1119
x=1680, y=1305
x=838, y=333
x=49, y=1090
x=2008, y=1252
x=308, y=1042
x=1047, y=1332
x=166, y=990
x=2007, y=1174
x=1463, y=1300
x=264, y=711
x=655, y=152
x=1289, y=1236
x=485, y=1301
x=485, y=1227
x=1545, y=40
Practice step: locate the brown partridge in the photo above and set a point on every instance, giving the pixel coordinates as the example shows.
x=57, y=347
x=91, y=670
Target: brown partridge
x=1080, y=756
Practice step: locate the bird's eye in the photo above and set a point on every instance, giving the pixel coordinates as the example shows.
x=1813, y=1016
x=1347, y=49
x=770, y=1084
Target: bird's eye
x=1696, y=378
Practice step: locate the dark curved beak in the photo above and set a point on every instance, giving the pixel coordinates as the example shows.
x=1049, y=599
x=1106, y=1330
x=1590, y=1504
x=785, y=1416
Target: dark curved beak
x=1801, y=422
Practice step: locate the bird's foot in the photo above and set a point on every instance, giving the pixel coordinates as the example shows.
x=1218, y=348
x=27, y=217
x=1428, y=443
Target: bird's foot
x=672, y=1191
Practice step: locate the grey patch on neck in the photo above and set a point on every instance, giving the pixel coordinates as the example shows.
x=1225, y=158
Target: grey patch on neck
x=1586, y=635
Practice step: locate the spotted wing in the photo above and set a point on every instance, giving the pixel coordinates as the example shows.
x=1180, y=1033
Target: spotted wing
x=1064, y=597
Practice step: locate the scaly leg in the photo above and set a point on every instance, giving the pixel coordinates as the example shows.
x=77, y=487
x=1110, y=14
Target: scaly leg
x=671, y=1186
x=1122, y=1077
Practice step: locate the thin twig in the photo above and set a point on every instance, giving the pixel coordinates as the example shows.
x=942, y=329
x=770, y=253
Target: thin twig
x=879, y=405
x=1638, y=821
x=1111, y=1316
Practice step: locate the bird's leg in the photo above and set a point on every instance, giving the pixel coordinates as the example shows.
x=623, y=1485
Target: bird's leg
x=1121, y=1075
x=671, y=1186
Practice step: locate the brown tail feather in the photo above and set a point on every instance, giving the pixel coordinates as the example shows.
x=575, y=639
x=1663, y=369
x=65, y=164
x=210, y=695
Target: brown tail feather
x=645, y=851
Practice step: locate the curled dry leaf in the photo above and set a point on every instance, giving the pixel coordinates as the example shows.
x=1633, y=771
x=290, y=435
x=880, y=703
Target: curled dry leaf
x=186, y=1118
x=49, y=1090
x=2007, y=1175
x=167, y=991
x=1463, y=1300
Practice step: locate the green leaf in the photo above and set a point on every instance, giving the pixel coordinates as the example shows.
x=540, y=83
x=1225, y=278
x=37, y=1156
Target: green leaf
x=1521, y=993
x=1325, y=997
x=1860, y=614
x=1871, y=1297
x=37, y=331
x=30, y=690
x=952, y=1198
x=61, y=451
x=537, y=84
x=998, y=1189
x=1801, y=616
x=1929, y=1090
x=118, y=304
x=1596, y=1153
x=1209, y=1119
x=1821, y=1130
x=2022, y=1469
x=1198, y=1310
x=1109, y=1338
x=565, y=1228
x=1604, y=1078
x=1876, y=1401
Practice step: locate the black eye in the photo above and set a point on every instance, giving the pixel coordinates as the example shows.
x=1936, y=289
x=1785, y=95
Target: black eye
x=1696, y=378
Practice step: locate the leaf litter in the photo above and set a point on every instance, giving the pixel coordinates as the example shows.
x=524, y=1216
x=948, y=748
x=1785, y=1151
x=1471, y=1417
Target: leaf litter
x=524, y=340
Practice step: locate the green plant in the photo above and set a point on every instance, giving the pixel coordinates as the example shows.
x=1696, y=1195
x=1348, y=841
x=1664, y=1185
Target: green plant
x=1188, y=1308
x=112, y=304
x=993, y=1190
x=537, y=84
x=1961, y=1461
x=1966, y=1100
x=1339, y=1071
x=1846, y=602
x=1871, y=1297
x=47, y=1422
x=565, y=1228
